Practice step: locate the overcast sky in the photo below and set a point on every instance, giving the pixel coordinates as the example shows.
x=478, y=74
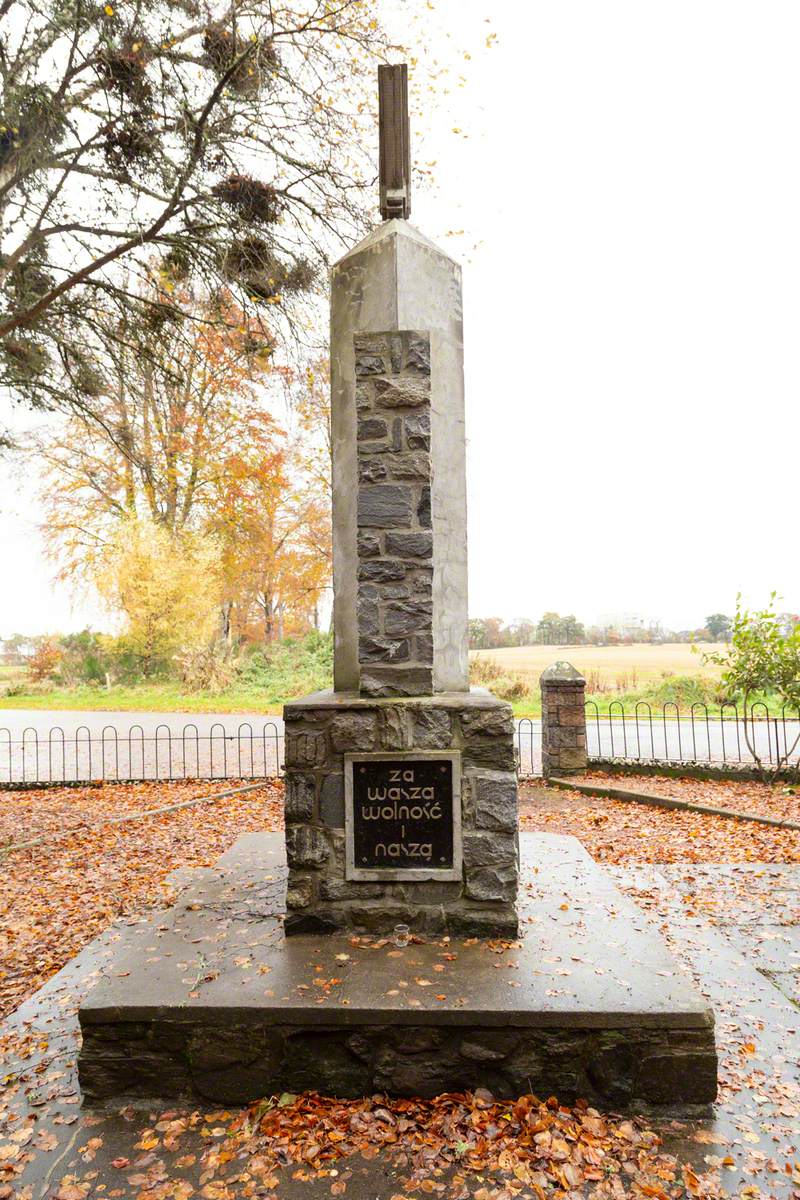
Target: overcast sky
x=628, y=184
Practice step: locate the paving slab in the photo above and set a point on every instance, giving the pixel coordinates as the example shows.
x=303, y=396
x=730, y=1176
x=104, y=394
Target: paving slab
x=754, y=1133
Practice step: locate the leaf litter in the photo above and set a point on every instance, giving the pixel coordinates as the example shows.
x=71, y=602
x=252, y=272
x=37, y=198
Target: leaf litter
x=57, y=896
x=618, y=831
x=780, y=801
x=457, y=1145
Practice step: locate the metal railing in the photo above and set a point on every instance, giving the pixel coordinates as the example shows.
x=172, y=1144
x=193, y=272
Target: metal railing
x=664, y=733
x=528, y=745
x=252, y=750
x=35, y=756
x=166, y=754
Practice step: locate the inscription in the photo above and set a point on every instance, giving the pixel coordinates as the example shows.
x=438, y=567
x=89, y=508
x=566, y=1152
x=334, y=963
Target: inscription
x=402, y=814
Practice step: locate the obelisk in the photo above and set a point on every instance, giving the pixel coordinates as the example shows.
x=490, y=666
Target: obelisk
x=399, y=471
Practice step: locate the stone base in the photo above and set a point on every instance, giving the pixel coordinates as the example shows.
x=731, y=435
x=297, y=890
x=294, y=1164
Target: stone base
x=320, y=730
x=212, y=1001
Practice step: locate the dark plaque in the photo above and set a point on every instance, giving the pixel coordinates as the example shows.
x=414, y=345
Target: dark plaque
x=401, y=816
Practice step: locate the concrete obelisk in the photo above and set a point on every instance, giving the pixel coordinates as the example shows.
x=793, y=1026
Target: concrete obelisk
x=401, y=806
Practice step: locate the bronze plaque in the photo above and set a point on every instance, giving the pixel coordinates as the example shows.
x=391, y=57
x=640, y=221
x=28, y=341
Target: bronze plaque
x=402, y=817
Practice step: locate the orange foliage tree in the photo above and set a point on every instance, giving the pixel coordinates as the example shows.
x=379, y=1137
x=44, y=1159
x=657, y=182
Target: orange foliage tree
x=186, y=440
x=273, y=518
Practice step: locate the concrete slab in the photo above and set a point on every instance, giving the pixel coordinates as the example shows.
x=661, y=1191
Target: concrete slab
x=209, y=998
x=573, y=913
x=753, y=1129
x=41, y=1087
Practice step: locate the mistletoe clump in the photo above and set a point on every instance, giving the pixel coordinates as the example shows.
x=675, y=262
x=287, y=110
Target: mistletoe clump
x=247, y=64
x=253, y=263
x=127, y=146
x=254, y=202
x=124, y=70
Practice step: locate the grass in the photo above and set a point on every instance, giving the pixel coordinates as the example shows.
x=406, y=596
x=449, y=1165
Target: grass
x=264, y=679
x=619, y=668
x=267, y=677
x=144, y=697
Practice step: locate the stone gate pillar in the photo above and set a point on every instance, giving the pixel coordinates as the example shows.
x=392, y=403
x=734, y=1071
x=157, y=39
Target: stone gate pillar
x=563, y=720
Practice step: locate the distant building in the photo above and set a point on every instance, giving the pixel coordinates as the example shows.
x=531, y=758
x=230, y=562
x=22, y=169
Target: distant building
x=623, y=623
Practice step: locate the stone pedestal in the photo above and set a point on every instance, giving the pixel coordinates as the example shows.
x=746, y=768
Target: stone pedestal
x=563, y=720
x=469, y=738
x=184, y=1012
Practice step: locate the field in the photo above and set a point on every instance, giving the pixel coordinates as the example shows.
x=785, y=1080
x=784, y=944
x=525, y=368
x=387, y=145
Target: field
x=616, y=668
x=674, y=673
x=669, y=673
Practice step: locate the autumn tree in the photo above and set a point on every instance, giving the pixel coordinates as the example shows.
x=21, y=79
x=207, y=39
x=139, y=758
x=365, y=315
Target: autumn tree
x=522, y=631
x=224, y=141
x=186, y=440
x=168, y=588
x=272, y=518
x=485, y=633
x=156, y=443
x=45, y=660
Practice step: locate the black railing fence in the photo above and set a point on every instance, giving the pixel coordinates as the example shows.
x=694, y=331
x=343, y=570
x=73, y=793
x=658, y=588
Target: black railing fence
x=528, y=739
x=109, y=755
x=664, y=733
x=255, y=750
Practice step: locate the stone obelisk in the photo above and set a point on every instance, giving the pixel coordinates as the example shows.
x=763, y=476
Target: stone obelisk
x=401, y=786
x=399, y=471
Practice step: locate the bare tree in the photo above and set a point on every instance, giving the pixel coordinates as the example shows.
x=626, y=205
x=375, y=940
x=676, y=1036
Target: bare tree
x=156, y=147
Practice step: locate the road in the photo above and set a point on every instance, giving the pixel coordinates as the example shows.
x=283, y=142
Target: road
x=36, y=745
x=42, y=746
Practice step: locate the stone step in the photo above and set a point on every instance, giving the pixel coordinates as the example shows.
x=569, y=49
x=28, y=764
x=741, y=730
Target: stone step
x=210, y=999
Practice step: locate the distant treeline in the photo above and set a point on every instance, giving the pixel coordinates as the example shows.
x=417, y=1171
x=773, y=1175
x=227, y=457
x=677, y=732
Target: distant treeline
x=490, y=633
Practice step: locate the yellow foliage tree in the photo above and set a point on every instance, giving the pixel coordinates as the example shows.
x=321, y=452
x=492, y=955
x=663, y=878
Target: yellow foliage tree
x=168, y=588
x=186, y=441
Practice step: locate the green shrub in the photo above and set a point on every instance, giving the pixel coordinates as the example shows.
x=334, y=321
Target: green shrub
x=291, y=668
x=684, y=690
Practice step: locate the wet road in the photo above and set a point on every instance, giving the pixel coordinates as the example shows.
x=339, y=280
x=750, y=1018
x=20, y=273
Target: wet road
x=54, y=746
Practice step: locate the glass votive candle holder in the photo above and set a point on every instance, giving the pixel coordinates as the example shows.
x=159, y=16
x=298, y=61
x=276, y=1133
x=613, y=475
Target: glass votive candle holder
x=402, y=935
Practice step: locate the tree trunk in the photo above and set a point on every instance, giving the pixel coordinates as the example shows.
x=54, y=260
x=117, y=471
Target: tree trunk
x=225, y=623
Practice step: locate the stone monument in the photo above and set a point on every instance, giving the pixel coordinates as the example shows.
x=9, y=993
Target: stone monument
x=401, y=807
x=401, y=797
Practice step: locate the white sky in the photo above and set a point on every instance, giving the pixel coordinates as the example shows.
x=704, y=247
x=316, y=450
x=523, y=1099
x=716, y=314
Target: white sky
x=629, y=192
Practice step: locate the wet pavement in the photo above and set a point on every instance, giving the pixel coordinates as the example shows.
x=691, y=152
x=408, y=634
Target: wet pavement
x=734, y=927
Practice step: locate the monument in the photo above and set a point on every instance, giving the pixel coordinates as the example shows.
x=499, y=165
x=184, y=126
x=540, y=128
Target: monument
x=401, y=799
x=401, y=806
